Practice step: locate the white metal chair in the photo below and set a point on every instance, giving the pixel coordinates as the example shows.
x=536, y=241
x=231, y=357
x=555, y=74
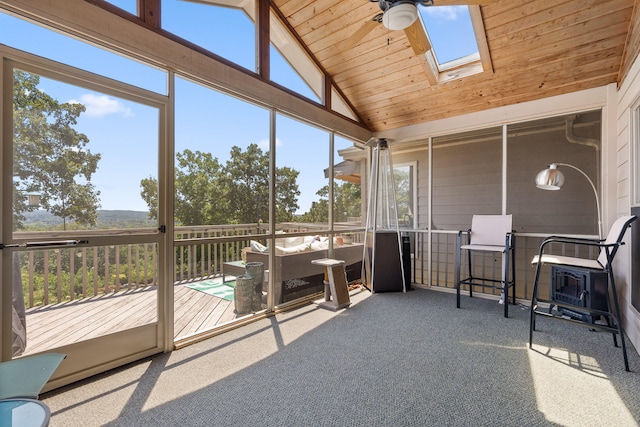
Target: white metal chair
x=488, y=234
x=603, y=264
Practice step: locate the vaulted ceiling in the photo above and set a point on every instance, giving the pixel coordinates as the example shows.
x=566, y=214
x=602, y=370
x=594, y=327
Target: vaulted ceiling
x=536, y=49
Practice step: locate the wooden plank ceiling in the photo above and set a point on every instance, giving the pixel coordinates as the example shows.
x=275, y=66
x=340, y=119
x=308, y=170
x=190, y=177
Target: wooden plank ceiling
x=537, y=48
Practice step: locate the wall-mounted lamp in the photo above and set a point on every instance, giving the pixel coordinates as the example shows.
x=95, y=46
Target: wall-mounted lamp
x=553, y=179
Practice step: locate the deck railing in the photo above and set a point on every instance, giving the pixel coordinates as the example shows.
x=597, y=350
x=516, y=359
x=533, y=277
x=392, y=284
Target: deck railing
x=51, y=276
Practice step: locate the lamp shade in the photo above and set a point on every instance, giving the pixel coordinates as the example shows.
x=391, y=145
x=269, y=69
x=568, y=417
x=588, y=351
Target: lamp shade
x=400, y=16
x=550, y=179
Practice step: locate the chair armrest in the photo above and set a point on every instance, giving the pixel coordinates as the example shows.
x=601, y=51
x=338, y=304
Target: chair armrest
x=599, y=243
x=579, y=241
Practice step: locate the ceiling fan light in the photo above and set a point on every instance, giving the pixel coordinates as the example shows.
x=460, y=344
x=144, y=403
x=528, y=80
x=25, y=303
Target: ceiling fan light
x=400, y=16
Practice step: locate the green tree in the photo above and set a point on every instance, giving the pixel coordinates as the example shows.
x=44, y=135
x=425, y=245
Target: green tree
x=236, y=193
x=199, y=198
x=149, y=193
x=245, y=180
x=50, y=157
x=347, y=203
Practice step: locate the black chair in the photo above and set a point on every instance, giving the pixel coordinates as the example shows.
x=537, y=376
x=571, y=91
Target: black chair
x=488, y=234
x=602, y=265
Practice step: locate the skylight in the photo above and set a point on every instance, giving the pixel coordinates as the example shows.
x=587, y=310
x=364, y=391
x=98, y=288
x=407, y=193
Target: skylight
x=451, y=34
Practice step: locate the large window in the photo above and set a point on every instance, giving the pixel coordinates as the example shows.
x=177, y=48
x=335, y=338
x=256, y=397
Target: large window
x=406, y=193
x=453, y=57
x=76, y=153
x=67, y=50
x=302, y=154
x=291, y=66
x=222, y=165
x=226, y=30
x=443, y=21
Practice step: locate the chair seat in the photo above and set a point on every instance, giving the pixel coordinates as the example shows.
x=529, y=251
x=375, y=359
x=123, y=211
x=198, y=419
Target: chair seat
x=567, y=260
x=484, y=248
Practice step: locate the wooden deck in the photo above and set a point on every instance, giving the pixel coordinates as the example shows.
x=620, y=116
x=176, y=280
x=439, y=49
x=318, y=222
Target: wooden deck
x=79, y=320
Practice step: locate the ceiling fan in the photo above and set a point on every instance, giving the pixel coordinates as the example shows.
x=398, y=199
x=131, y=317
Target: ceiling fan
x=403, y=15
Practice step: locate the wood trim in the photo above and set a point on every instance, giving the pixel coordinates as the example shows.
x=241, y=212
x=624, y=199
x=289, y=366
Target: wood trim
x=150, y=11
x=481, y=38
x=632, y=43
x=263, y=38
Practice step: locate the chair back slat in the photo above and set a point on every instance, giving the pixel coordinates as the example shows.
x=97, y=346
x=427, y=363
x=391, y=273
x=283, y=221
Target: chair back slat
x=616, y=234
x=490, y=230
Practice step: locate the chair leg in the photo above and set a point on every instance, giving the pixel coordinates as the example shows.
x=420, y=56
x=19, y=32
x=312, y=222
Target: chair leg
x=505, y=283
x=513, y=270
x=534, y=297
x=618, y=319
x=610, y=316
x=457, y=275
x=470, y=274
x=608, y=319
x=506, y=300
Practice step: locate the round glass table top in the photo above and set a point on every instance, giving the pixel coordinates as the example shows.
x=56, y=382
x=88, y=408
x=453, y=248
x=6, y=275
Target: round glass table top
x=23, y=413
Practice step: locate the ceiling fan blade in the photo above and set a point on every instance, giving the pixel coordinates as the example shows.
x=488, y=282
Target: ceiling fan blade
x=417, y=37
x=365, y=29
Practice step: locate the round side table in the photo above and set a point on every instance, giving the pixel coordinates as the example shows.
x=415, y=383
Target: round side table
x=24, y=413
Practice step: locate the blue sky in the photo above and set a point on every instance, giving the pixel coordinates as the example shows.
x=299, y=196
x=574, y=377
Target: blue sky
x=125, y=132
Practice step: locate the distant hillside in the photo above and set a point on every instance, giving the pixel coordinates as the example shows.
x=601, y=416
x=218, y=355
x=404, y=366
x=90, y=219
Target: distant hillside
x=106, y=219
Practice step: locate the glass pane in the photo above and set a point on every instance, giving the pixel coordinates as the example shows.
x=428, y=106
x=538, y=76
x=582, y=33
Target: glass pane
x=302, y=155
x=128, y=5
x=467, y=177
x=40, y=41
x=77, y=153
x=348, y=205
x=226, y=31
x=302, y=206
x=443, y=21
x=405, y=197
x=532, y=147
x=222, y=196
x=222, y=164
x=290, y=65
x=83, y=290
x=349, y=167
x=340, y=106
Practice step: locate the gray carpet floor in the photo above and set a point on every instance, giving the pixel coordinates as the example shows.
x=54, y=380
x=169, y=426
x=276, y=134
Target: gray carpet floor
x=391, y=359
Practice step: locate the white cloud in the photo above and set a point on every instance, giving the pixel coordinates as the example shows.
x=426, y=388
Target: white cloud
x=449, y=13
x=102, y=105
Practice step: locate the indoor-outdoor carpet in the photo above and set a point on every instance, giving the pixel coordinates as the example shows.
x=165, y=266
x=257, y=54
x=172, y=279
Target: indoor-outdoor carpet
x=217, y=289
x=391, y=359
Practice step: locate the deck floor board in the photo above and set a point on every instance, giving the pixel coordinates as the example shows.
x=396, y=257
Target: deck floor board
x=78, y=320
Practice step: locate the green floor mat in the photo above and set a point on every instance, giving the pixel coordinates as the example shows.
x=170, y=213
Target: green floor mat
x=217, y=289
